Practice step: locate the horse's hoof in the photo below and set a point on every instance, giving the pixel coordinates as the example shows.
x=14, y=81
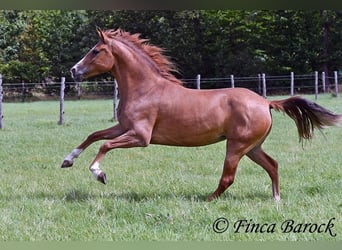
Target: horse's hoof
x=66, y=164
x=102, y=178
x=211, y=198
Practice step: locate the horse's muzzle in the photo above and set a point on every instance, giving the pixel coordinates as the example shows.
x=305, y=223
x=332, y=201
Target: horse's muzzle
x=76, y=76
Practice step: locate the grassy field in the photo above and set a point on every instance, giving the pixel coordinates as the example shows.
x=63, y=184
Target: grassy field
x=158, y=192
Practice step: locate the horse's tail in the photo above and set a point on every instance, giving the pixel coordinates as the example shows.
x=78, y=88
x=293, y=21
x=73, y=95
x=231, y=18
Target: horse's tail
x=307, y=115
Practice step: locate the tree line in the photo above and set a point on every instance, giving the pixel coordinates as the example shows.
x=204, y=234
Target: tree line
x=42, y=45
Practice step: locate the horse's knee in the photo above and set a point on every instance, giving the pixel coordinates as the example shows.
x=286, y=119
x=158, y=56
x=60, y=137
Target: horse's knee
x=105, y=147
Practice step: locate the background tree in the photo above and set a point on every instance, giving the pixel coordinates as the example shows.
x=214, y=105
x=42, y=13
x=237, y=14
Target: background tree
x=12, y=23
x=40, y=45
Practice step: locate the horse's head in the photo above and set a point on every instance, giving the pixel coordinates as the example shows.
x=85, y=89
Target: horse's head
x=97, y=61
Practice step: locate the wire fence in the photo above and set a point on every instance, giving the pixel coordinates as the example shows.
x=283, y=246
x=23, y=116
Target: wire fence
x=263, y=84
x=291, y=84
x=27, y=92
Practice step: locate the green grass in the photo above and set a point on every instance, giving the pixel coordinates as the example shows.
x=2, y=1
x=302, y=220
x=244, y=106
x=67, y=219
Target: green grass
x=158, y=192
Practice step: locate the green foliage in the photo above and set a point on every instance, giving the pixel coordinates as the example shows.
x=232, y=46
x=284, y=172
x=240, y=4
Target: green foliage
x=45, y=43
x=213, y=43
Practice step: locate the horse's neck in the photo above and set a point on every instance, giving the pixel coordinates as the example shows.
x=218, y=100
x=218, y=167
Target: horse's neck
x=134, y=84
x=135, y=74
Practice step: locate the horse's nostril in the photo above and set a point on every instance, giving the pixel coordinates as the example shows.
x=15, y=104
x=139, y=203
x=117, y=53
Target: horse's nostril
x=72, y=71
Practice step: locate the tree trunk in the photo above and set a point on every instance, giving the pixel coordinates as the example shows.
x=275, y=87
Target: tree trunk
x=325, y=55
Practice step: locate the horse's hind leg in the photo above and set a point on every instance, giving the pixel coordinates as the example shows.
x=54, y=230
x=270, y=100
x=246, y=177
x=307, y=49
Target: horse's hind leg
x=235, y=151
x=270, y=165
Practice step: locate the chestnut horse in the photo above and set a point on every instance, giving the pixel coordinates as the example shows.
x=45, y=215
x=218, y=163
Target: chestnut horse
x=155, y=108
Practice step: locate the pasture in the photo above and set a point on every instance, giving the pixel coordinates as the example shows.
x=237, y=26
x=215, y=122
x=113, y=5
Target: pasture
x=159, y=192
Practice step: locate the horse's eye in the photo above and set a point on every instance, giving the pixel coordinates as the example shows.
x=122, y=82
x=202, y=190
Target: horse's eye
x=95, y=52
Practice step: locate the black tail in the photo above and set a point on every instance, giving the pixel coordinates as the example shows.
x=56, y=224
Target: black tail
x=307, y=115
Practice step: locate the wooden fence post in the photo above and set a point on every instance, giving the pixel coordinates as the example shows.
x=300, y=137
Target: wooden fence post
x=115, y=102
x=23, y=91
x=292, y=84
x=336, y=83
x=259, y=84
x=232, y=81
x=1, y=95
x=316, y=84
x=78, y=87
x=61, y=104
x=323, y=81
x=198, y=81
x=264, y=85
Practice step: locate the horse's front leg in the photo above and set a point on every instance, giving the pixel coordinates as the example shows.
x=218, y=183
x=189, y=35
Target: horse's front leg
x=109, y=133
x=126, y=140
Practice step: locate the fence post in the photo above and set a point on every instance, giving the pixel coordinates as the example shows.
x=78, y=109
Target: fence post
x=292, y=84
x=61, y=105
x=198, y=81
x=316, y=84
x=22, y=91
x=1, y=94
x=323, y=81
x=78, y=87
x=259, y=84
x=115, y=102
x=264, y=85
x=336, y=83
x=232, y=81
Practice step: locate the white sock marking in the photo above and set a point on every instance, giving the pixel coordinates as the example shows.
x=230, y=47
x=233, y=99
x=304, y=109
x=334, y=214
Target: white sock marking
x=95, y=169
x=74, y=154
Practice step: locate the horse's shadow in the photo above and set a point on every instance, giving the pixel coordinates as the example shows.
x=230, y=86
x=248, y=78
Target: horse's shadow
x=78, y=195
x=132, y=196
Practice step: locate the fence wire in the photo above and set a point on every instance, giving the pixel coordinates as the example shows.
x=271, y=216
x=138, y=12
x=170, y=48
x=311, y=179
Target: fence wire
x=275, y=85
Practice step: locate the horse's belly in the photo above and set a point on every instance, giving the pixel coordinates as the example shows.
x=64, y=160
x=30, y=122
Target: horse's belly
x=186, y=136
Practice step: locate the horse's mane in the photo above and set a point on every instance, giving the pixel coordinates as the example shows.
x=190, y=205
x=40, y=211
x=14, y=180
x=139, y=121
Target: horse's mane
x=163, y=64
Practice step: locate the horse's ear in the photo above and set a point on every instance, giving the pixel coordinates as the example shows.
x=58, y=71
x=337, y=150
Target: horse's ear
x=101, y=35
